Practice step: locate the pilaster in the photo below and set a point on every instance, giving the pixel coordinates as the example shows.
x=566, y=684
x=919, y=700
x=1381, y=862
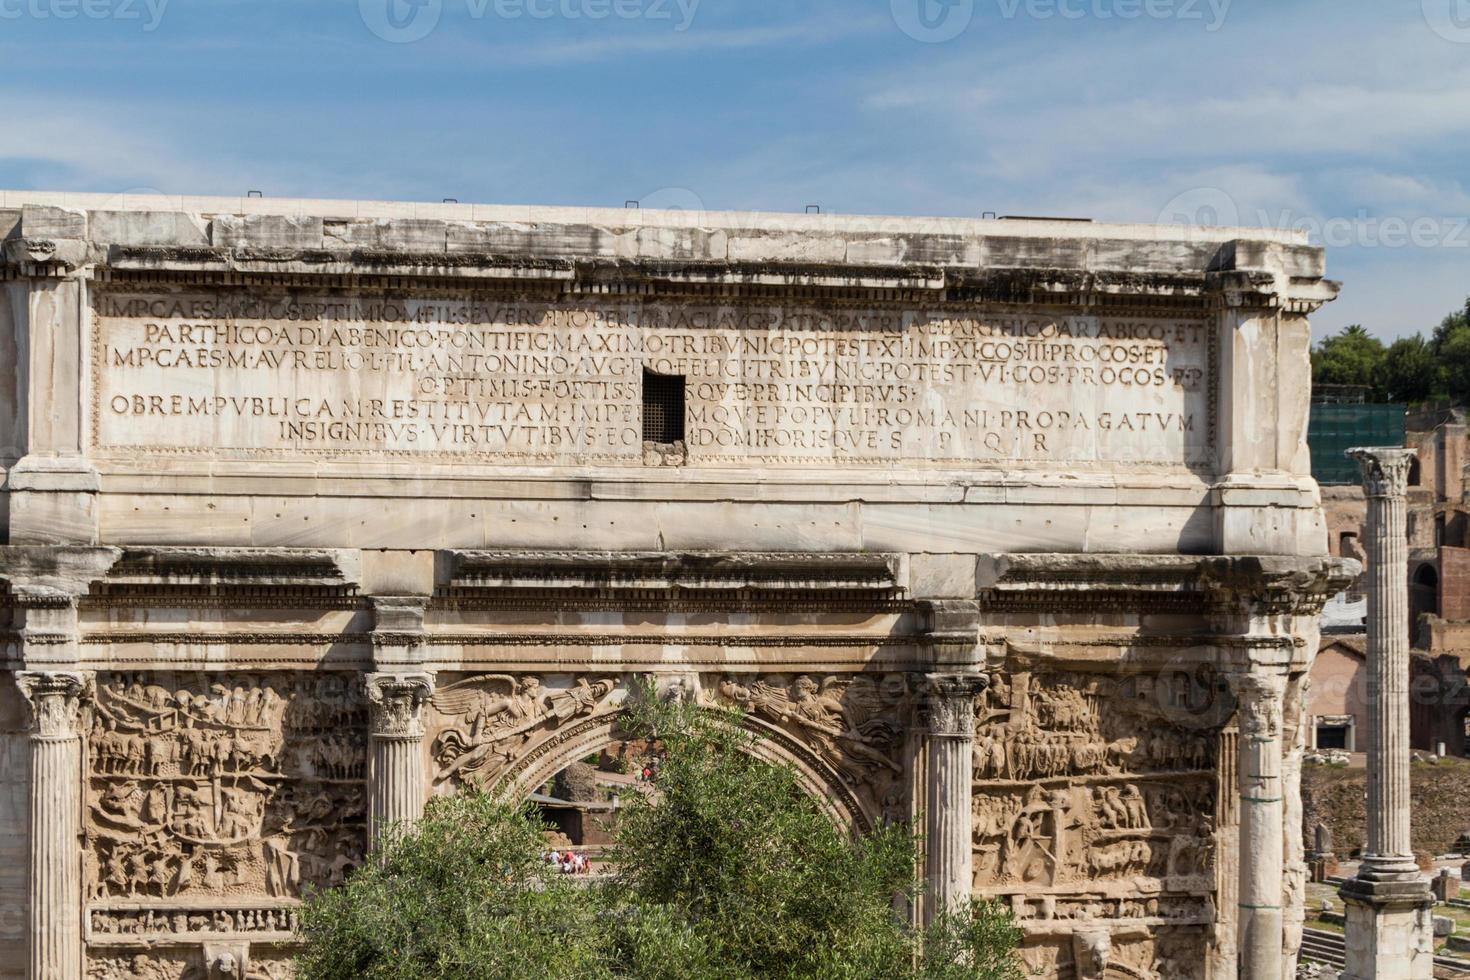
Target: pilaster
x=53, y=488
x=1259, y=694
x=1294, y=858
x=1265, y=609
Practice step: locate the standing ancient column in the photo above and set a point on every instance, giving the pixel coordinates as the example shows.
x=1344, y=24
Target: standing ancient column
x=949, y=838
x=1388, y=925
x=396, y=789
x=1259, y=694
x=55, y=887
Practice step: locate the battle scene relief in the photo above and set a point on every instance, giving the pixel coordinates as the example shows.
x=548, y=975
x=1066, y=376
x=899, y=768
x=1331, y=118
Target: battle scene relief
x=213, y=799
x=1094, y=807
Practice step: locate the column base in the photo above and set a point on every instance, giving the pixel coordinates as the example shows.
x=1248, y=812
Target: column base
x=1389, y=930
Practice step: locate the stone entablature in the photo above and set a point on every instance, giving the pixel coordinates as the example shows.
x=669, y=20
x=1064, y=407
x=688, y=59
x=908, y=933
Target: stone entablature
x=1002, y=527
x=305, y=364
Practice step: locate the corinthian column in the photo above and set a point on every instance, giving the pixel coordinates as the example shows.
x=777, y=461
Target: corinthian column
x=1259, y=694
x=1388, y=925
x=396, y=789
x=949, y=838
x=55, y=887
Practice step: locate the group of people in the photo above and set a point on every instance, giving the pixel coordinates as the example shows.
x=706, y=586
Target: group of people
x=568, y=862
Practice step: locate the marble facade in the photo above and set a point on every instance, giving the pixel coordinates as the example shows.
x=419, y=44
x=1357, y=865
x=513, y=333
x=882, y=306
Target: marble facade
x=315, y=509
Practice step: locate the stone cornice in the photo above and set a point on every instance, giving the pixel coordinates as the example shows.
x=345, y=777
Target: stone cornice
x=234, y=567
x=1282, y=583
x=626, y=252
x=704, y=574
x=41, y=576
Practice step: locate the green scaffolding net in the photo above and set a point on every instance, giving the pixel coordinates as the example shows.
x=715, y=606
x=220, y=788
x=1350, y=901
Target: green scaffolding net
x=1335, y=428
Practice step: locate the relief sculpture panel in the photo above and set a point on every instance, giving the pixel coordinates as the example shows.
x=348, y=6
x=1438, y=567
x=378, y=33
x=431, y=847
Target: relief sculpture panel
x=483, y=723
x=847, y=733
x=854, y=724
x=1094, y=804
x=212, y=799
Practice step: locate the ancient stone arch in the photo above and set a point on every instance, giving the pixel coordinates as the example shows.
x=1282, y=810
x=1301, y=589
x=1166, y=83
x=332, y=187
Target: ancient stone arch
x=818, y=779
x=1005, y=527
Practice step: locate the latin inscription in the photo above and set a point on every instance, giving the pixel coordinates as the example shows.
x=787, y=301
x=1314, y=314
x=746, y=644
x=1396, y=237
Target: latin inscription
x=288, y=373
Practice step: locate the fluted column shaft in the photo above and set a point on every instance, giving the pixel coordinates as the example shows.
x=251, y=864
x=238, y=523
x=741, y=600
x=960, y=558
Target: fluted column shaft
x=1260, y=695
x=1388, y=905
x=396, y=789
x=1389, y=850
x=55, y=872
x=950, y=819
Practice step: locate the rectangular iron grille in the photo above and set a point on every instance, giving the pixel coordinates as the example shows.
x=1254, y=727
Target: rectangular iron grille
x=663, y=407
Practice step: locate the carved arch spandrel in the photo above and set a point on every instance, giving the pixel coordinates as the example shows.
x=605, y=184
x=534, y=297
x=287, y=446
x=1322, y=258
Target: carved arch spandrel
x=583, y=739
x=843, y=734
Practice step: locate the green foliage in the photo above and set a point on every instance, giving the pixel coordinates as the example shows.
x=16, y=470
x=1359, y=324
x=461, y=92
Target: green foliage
x=1451, y=348
x=1352, y=357
x=464, y=895
x=734, y=872
x=1409, y=372
x=753, y=864
x=1412, y=370
x=979, y=941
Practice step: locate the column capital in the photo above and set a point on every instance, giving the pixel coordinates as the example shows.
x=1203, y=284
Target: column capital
x=397, y=702
x=949, y=700
x=55, y=699
x=1261, y=699
x=1385, y=469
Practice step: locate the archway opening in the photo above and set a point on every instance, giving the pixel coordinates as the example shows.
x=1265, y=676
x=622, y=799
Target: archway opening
x=600, y=745
x=580, y=804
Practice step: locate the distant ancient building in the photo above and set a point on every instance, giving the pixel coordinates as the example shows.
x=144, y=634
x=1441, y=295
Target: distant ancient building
x=315, y=509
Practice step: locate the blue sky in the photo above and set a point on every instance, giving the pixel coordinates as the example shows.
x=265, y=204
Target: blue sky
x=1350, y=118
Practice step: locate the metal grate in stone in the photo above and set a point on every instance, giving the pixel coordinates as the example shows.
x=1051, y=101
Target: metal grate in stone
x=663, y=407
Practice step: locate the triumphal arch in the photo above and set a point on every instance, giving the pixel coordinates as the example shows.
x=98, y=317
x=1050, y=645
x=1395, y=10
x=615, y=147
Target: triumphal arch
x=314, y=509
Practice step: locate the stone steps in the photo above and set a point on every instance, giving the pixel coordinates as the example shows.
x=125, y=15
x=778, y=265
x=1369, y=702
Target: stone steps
x=1323, y=946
